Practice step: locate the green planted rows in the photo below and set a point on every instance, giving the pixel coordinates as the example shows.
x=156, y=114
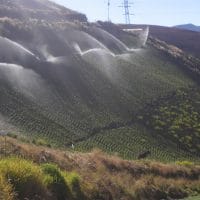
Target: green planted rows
x=129, y=142
x=82, y=98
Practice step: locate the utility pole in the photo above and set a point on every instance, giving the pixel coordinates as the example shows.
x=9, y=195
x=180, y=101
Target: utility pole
x=108, y=10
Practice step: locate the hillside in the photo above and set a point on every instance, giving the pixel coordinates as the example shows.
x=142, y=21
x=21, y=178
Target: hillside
x=37, y=9
x=66, y=81
x=186, y=40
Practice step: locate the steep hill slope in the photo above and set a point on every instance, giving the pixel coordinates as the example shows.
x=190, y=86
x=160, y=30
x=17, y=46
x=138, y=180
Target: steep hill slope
x=186, y=40
x=37, y=9
x=67, y=81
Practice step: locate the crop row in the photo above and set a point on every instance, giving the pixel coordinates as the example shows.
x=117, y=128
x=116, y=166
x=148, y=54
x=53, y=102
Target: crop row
x=129, y=142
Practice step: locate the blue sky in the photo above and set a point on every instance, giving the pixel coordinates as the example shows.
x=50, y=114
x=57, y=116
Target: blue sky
x=159, y=12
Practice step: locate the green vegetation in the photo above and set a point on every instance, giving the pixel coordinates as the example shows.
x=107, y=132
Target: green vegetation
x=41, y=142
x=6, y=190
x=25, y=178
x=185, y=163
x=56, y=182
x=59, y=120
x=177, y=118
x=129, y=142
x=193, y=198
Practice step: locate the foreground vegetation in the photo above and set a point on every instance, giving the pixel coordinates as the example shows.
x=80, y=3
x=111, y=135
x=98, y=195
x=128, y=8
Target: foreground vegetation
x=22, y=179
x=33, y=172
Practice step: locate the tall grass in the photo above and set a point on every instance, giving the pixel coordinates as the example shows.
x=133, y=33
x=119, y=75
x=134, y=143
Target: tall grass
x=6, y=189
x=56, y=182
x=22, y=179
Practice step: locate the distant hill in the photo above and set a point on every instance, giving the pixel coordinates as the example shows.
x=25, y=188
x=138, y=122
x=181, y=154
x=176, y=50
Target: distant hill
x=190, y=27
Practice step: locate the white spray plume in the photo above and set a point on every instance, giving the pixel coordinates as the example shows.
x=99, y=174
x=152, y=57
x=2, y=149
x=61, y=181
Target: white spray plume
x=49, y=57
x=25, y=80
x=82, y=53
x=145, y=35
x=115, y=40
x=77, y=48
x=8, y=46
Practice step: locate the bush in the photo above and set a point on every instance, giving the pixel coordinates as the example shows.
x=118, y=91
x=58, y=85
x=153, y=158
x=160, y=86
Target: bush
x=12, y=135
x=73, y=180
x=56, y=182
x=146, y=189
x=41, y=142
x=156, y=188
x=176, y=192
x=25, y=177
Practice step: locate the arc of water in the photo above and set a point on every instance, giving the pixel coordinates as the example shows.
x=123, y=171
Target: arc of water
x=18, y=46
x=115, y=39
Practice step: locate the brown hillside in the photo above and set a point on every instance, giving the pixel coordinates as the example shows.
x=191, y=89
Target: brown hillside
x=188, y=41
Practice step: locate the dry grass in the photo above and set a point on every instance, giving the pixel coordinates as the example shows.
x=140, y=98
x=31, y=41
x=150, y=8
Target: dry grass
x=109, y=177
x=6, y=190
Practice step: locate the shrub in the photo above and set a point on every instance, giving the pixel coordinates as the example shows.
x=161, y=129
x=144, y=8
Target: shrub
x=73, y=180
x=185, y=163
x=146, y=189
x=25, y=177
x=56, y=183
x=12, y=135
x=41, y=142
x=176, y=192
x=155, y=188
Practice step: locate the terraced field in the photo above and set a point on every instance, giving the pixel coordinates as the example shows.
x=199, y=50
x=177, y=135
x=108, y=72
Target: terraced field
x=113, y=99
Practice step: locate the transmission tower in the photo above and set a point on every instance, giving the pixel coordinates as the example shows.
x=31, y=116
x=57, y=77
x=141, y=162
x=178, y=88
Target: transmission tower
x=126, y=5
